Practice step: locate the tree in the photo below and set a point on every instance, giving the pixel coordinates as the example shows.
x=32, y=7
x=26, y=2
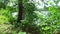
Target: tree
x=20, y=13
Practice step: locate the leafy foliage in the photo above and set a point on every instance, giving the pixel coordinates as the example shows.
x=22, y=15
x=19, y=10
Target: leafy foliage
x=35, y=21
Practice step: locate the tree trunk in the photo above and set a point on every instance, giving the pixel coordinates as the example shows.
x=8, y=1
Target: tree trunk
x=20, y=13
x=20, y=6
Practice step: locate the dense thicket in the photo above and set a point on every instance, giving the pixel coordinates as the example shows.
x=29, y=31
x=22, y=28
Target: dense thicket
x=29, y=17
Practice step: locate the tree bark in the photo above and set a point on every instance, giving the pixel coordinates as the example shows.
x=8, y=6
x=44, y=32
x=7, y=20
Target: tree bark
x=20, y=12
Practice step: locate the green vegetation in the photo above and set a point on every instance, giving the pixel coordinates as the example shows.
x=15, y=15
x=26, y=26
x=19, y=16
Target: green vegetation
x=29, y=17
